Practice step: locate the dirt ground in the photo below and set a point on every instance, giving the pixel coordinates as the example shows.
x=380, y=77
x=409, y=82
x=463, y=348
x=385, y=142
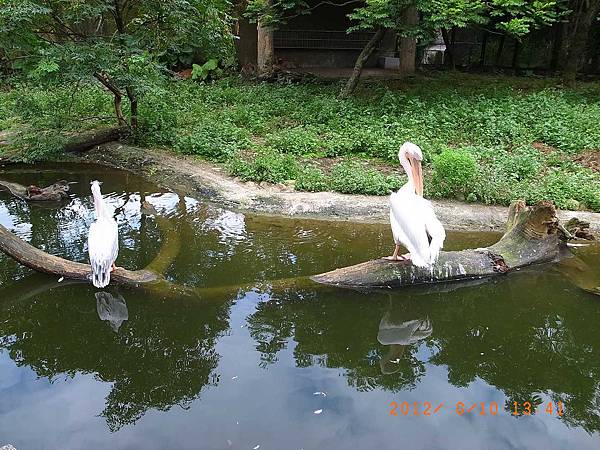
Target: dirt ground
x=195, y=177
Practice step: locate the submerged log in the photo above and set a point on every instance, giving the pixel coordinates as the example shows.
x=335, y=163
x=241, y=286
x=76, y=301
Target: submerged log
x=531, y=237
x=56, y=192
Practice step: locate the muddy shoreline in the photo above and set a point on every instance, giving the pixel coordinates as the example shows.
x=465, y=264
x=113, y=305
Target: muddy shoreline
x=192, y=176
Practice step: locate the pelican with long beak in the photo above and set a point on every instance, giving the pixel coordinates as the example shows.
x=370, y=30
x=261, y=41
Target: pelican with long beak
x=412, y=218
x=103, y=241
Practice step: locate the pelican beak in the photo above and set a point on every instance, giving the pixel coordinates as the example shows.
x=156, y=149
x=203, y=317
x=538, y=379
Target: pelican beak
x=417, y=173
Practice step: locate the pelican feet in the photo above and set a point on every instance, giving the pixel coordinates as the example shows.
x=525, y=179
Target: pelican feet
x=397, y=257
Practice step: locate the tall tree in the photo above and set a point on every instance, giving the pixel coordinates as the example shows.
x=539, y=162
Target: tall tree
x=123, y=44
x=583, y=15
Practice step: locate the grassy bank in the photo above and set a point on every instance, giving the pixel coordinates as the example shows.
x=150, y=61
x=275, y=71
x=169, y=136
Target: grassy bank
x=485, y=139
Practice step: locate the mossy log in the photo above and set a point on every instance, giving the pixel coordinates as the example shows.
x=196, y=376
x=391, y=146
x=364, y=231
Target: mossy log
x=89, y=139
x=76, y=143
x=532, y=237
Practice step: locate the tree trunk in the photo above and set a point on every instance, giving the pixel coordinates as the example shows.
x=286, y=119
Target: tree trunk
x=531, y=237
x=484, y=41
x=118, y=97
x=360, y=62
x=583, y=16
x=133, y=106
x=265, y=57
x=40, y=261
x=557, y=55
x=498, y=58
x=84, y=141
x=408, y=45
x=449, y=56
x=516, y=53
x=56, y=192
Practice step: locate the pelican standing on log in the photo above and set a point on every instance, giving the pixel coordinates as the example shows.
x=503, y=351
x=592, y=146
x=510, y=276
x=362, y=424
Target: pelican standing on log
x=412, y=218
x=103, y=240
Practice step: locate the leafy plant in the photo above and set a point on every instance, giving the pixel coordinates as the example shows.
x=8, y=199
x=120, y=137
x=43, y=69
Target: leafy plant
x=265, y=165
x=209, y=69
x=453, y=174
x=350, y=177
x=311, y=179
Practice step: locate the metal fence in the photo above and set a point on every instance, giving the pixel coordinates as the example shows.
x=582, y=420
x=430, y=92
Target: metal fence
x=321, y=39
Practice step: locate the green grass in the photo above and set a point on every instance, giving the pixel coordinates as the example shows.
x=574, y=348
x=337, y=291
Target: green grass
x=477, y=132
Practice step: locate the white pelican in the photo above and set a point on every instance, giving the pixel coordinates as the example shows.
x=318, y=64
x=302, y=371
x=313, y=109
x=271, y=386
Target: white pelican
x=412, y=218
x=103, y=241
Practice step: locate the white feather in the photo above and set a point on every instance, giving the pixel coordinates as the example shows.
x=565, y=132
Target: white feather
x=413, y=219
x=103, y=241
x=410, y=226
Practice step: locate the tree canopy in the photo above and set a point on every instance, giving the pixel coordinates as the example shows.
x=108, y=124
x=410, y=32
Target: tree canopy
x=121, y=43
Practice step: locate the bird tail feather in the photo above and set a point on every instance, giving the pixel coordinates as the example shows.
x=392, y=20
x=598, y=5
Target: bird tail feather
x=101, y=274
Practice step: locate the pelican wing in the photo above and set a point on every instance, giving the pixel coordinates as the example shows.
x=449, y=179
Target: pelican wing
x=408, y=213
x=434, y=228
x=103, y=248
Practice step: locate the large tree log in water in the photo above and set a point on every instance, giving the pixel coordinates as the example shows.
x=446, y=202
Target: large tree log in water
x=40, y=261
x=531, y=237
x=54, y=193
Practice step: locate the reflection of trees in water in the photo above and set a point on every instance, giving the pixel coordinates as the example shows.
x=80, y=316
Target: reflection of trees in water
x=333, y=329
x=162, y=356
x=536, y=338
x=526, y=335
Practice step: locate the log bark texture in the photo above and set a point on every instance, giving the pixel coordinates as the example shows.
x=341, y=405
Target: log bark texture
x=531, y=237
x=265, y=53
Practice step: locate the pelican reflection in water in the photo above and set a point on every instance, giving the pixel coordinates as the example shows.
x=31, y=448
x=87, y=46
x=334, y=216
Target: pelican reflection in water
x=112, y=309
x=399, y=335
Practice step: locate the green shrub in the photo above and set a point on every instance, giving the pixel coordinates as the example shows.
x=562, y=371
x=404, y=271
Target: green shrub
x=157, y=123
x=454, y=172
x=351, y=177
x=311, y=179
x=213, y=140
x=38, y=146
x=297, y=141
x=266, y=165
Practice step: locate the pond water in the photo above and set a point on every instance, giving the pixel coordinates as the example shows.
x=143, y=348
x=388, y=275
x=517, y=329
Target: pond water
x=252, y=362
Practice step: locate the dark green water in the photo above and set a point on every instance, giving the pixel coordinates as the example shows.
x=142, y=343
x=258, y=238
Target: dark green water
x=252, y=363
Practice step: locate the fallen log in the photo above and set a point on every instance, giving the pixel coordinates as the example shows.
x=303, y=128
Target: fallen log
x=532, y=237
x=76, y=143
x=40, y=261
x=89, y=139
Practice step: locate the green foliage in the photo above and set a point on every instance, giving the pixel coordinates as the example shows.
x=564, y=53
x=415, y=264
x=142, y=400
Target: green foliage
x=266, y=165
x=123, y=47
x=38, y=146
x=274, y=12
x=295, y=140
x=209, y=69
x=494, y=120
x=351, y=177
x=453, y=174
x=217, y=141
x=311, y=179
